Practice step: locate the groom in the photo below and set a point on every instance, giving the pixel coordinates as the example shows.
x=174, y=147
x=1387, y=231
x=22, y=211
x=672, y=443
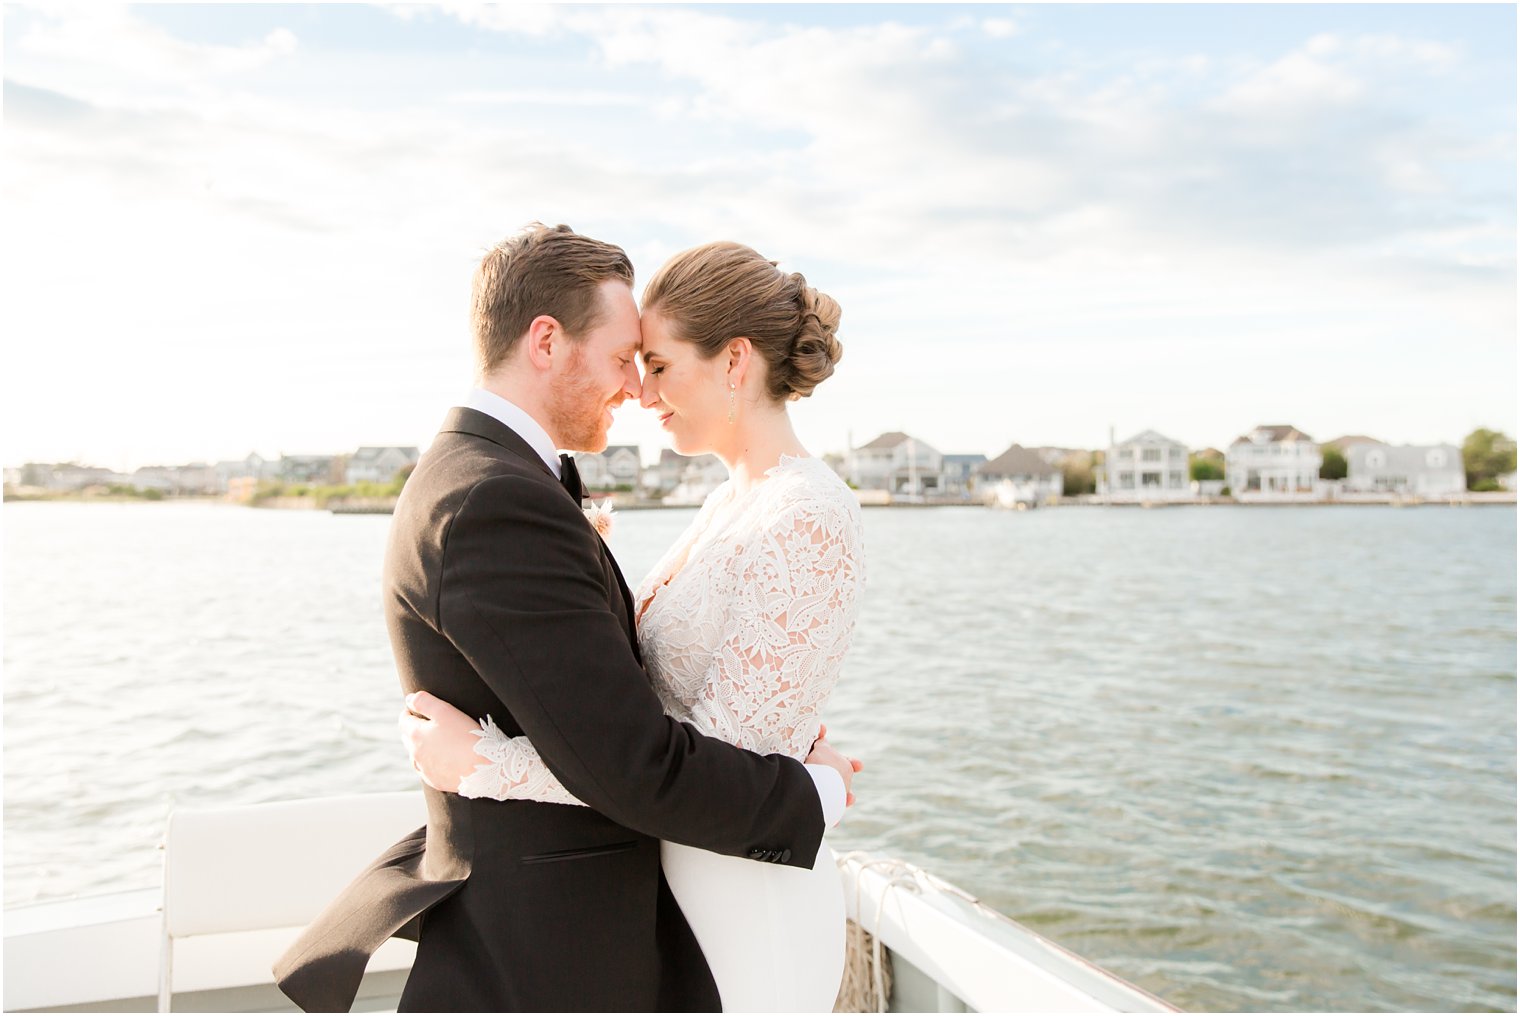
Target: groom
x=501, y=599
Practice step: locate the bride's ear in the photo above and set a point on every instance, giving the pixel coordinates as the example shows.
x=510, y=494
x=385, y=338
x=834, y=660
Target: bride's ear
x=739, y=352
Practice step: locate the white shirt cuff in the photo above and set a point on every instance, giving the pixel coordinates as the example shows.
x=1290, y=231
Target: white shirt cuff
x=830, y=793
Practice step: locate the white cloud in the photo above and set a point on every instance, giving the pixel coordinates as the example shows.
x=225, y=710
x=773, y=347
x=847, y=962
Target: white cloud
x=108, y=41
x=1000, y=28
x=1300, y=82
x=527, y=18
x=547, y=97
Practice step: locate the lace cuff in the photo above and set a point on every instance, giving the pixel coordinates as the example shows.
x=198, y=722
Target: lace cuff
x=513, y=770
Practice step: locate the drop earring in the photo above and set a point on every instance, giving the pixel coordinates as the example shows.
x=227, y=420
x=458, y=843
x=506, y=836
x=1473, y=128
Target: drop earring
x=731, y=397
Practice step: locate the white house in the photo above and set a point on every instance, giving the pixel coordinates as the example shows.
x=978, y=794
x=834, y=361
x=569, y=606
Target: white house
x=1147, y=467
x=379, y=464
x=1274, y=463
x=1019, y=475
x=612, y=467
x=895, y=462
x=1426, y=470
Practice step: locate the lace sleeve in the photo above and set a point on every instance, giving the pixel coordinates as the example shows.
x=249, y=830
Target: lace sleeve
x=790, y=605
x=513, y=771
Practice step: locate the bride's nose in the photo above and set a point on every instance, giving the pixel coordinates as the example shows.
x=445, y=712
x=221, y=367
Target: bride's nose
x=649, y=396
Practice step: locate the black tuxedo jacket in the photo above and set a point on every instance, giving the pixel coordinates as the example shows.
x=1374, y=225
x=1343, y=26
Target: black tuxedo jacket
x=501, y=599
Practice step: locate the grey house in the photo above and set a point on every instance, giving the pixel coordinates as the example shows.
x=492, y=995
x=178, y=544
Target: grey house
x=1424, y=470
x=379, y=463
x=613, y=466
x=958, y=474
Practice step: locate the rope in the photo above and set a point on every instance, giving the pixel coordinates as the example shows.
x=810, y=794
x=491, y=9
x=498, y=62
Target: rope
x=867, y=985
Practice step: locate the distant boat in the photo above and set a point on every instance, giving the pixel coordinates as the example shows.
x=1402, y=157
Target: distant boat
x=1015, y=496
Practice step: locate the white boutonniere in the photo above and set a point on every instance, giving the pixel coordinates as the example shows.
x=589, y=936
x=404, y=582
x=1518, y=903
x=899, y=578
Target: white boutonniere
x=600, y=517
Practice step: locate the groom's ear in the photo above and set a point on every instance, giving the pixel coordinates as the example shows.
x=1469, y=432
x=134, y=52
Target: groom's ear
x=545, y=337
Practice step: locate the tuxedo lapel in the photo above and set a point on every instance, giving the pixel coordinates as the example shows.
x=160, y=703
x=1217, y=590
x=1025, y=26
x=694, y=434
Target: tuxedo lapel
x=631, y=619
x=477, y=424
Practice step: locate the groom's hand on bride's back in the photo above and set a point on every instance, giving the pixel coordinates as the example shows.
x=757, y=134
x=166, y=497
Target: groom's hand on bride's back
x=824, y=754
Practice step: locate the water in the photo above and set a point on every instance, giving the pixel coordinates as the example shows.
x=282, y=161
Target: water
x=1255, y=759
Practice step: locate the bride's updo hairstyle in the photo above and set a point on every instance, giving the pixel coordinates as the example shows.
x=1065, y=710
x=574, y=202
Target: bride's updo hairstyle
x=712, y=294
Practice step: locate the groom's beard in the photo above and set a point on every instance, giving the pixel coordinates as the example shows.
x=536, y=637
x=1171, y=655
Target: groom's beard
x=576, y=409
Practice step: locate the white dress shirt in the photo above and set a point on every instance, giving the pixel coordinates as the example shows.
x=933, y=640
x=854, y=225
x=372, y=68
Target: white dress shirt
x=517, y=421
x=827, y=781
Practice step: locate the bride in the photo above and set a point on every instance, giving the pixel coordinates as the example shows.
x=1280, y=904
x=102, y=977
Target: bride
x=743, y=624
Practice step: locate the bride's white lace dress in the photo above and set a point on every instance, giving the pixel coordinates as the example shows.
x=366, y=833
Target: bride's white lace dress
x=743, y=625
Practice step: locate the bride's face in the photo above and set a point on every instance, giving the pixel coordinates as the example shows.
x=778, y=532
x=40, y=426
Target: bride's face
x=689, y=394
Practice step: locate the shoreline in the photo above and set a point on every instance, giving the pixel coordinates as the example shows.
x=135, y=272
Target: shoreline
x=386, y=505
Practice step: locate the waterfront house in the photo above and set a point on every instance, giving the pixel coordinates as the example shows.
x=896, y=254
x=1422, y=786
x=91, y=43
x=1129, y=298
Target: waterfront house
x=1147, y=467
x=1019, y=475
x=700, y=475
x=379, y=463
x=895, y=462
x=1275, y=462
x=958, y=474
x=694, y=476
x=67, y=477
x=666, y=473
x=195, y=478
x=317, y=469
x=242, y=473
x=1345, y=441
x=1423, y=470
x=616, y=467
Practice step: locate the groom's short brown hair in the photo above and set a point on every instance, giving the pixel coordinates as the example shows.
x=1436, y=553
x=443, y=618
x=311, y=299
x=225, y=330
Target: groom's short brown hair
x=543, y=269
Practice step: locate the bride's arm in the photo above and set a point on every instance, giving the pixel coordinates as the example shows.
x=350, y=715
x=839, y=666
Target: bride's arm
x=788, y=615
x=455, y=754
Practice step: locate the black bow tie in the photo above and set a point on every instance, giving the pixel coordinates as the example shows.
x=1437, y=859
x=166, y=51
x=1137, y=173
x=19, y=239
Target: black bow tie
x=571, y=478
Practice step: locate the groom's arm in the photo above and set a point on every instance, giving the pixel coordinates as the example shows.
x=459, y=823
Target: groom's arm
x=523, y=597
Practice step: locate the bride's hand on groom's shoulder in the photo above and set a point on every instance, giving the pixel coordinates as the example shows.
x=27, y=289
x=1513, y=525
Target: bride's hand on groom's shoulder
x=825, y=754
x=439, y=739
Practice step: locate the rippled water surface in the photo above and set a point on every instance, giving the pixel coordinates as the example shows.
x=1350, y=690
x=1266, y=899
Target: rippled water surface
x=1247, y=758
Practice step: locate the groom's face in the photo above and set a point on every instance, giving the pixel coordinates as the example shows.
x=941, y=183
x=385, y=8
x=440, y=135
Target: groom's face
x=601, y=372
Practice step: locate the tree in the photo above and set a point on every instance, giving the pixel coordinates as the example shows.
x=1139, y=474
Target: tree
x=1205, y=469
x=1077, y=474
x=1487, y=455
x=1333, y=466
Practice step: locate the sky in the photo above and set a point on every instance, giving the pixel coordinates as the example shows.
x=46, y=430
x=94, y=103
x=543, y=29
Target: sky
x=252, y=228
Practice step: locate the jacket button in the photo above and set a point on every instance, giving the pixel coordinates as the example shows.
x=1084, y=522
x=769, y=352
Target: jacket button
x=786, y=855
x=756, y=854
